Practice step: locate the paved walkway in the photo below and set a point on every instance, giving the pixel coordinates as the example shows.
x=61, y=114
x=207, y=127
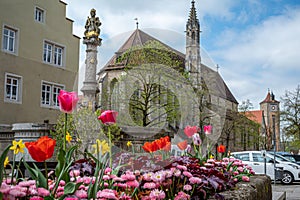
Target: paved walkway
x=292, y=191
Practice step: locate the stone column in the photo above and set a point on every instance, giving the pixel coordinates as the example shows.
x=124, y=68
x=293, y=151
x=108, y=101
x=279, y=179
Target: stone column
x=89, y=88
x=92, y=41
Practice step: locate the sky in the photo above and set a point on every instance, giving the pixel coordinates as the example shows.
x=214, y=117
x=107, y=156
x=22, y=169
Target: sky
x=255, y=43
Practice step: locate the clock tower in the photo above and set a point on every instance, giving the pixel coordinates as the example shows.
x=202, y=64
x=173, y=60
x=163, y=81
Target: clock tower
x=270, y=108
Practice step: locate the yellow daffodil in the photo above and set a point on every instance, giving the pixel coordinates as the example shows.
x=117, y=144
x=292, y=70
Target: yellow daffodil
x=68, y=137
x=6, y=161
x=17, y=146
x=102, y=147
x=211, y=157
x=129, y=143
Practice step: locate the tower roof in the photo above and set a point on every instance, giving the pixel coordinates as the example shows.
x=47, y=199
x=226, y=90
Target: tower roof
x=193, y=15
x=270, y=98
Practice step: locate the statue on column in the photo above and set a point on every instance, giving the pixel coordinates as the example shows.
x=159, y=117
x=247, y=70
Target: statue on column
x=92, y=25
x=92, y=40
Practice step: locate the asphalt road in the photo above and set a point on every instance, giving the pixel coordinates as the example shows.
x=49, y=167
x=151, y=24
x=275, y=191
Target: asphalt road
x=292, y=191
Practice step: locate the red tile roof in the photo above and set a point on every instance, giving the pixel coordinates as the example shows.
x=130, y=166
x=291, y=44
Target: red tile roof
x=255, y=115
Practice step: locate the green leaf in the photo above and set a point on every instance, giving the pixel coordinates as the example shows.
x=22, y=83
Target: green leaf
x=71, y=187
x=94, y=188
x=70, y=153
x=31, y=171
x=48, y=198
x=228, y=166
x=64, y=163
x=90, y=190
x=2, y=159
x=91, y=155
x=60, y=163
x=42, y=180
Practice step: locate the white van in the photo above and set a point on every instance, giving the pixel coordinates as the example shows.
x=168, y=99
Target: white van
x=255, y=159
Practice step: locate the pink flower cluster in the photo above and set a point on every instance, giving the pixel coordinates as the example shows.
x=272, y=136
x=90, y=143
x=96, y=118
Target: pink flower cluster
x=238, y=169
x=123, y=185
x=23, y=189
x=163, y=183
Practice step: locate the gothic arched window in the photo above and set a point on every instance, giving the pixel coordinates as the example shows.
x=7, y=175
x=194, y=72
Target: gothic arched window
x=114, y=90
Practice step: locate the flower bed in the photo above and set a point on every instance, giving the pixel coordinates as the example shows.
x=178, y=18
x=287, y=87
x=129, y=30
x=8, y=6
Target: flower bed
x=123, y=175
x=183, y=178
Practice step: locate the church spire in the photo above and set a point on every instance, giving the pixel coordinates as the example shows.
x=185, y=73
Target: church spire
x=193, y=59
x=193, y=26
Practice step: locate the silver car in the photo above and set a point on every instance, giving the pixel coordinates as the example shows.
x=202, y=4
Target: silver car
x=255, y=159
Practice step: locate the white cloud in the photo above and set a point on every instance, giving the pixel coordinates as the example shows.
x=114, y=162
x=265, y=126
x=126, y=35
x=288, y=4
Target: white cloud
x=274, y=42
x=258, y=54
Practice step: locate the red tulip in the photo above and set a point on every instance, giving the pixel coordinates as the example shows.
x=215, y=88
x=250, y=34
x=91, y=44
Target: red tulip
x=207, y=129
x=190, y=130
x=67, y=101
x=167, y=147
x=182, y=145
x=42, y=149
x=108, y=117
x=163, y=143
x=221, y=149
x=150, y=147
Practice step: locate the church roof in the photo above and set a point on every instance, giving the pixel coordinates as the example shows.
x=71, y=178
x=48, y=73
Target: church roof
x=139, y=38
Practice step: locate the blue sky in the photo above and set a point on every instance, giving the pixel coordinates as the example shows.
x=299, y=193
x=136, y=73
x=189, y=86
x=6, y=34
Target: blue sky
x=256, y=43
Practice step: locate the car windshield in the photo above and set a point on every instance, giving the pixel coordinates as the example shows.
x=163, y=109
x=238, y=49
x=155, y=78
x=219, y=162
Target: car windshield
x=291, y=158
x=280, y=158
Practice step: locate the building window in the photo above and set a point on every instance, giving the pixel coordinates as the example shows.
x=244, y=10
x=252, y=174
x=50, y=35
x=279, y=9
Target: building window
x=13, y=88
x=9, y=39
x=53, y=54
x=50, y=92
x=39, y=15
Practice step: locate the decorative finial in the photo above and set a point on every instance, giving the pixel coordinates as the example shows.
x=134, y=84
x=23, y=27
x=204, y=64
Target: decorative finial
x=218, y=67
x=137, y=23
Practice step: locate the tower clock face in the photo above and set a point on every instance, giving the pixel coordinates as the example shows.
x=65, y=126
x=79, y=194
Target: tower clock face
x=274, y=107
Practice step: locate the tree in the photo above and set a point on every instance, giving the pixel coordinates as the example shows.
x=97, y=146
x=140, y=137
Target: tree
x=290, y=115
x=247, y=128
x=148, y=96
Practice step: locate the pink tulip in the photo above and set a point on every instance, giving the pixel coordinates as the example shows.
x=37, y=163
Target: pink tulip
x=108, y=117
x=207, y=129
x=190, y=130
x=67, y=101
x=245, y=178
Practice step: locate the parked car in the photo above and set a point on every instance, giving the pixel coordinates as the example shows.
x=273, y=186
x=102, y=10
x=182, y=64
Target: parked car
x=292, y=157
x=287, y=156
x=255, y=159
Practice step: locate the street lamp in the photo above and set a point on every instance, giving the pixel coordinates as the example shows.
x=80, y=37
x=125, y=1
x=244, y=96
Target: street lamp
x=274, y=142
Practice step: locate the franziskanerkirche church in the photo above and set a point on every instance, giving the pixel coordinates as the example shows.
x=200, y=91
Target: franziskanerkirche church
x=197, y=93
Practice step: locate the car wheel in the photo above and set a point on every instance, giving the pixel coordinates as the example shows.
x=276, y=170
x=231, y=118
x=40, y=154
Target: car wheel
x=287, y=177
